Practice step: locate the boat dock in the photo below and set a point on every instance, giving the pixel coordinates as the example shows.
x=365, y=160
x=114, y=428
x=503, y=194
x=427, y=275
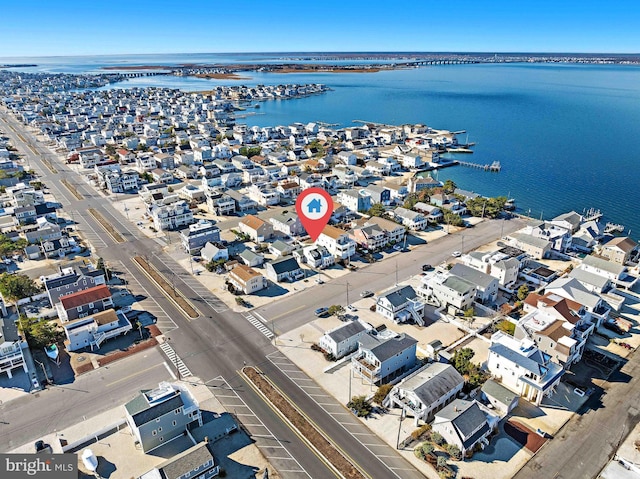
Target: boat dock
x=493, y=167
x=592, y=214
x=613, y=228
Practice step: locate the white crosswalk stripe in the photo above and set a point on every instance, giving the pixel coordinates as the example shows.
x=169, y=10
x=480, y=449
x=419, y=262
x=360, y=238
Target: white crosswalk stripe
x=258, y=325
x=175, y=360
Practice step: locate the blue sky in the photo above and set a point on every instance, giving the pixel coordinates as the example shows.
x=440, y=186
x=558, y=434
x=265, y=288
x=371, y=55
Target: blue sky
x=71, y=27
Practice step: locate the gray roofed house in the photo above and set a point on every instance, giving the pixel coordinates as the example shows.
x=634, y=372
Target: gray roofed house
x=499, y=396
x=425, y=391
x=250, y=258
x=485, y=284
x=280, y=249
x=591, y=281
x=284, y=269
x=344, y=339
x=603, y=267
x=571, y=288
x=382, y=357
x=159, y=415
x=196, y=462
x=11, y=345
x=401, y=304
x=463, y=424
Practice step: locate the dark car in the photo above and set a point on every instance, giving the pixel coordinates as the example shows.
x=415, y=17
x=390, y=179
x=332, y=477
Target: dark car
x=321, y=311
x=427, y=267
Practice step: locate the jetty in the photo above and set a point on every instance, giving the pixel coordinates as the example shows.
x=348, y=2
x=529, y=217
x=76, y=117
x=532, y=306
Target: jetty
x=613, y=228
x=493, y=167
x=591, y=214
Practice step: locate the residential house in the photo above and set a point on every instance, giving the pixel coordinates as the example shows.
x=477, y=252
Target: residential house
x=355, y=200
x=173, y=216
x=45, y=231
x=433, y=214
x=523, y=368
x=161, y=175
x=160, y=415
x=397, y=192
x=502, y=399
x=614, y=272
x=417, y=184
x=537, y=248
x=619, y=250
x=384, y=356
x=570, y=221
x=11, y=346
x=310, y=180
x=401, y=304
x=464, y=424
x=499, y=265
x=411, y=219
x=337, y=242
x=121, y=182
x=318, y=257
x=257, y=229
x=243, y=202
x=191, y=193
x=370, y=237
x=197, y=462
x=343, y=340
x=68, y=281
x=394, y=233
x=25, y=214
x=91, y=331
x=279, y=248
x=486, y=286
x=214, y=252
x=572, y=289
x=198, y=235
x=263, y=195
x=288, y=223
x=221, y=204
x=453, y=292
x=246, y=279
x=426, y=391
x=57, y=247
x=558, y=327
x=250, y=258
x=289, y=189
x=284, y=269
x=83, y=303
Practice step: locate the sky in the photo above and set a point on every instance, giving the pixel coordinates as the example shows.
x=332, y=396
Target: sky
x=99, y=27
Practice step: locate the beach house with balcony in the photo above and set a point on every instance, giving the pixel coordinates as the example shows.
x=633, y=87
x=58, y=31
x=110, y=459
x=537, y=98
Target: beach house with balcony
x=337, y=242
x=198, y=235
x=465, y=424
x=447, y=290
x=411, y=219
x=426, y=391
x=160, y=415
x=11, y=346
x=343, y=340
x=384, y=356
x=401, y=304
x=619, y=250
x=486, y=286
x=91, y=331
x=523, y=368
x=171, y=217
x=83, y=303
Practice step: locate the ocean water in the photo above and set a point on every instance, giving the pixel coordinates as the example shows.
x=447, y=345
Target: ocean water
x=564, y=134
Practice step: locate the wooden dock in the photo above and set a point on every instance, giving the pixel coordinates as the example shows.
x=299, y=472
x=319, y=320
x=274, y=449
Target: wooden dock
x=493, y=167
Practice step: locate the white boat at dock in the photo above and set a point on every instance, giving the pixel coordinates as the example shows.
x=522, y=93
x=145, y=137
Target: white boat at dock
x=52, y=352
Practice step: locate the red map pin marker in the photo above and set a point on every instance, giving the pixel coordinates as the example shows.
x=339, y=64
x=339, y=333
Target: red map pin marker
x=314, y=207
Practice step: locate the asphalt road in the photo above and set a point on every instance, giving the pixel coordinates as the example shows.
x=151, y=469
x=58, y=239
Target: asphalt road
x=61, y=406
x=293, y=311
x=214, y=344
x=586, y=443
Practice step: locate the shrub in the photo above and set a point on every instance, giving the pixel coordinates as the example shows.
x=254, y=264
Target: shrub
x=315, y=347
x=360, y=406
x=437, y=438
x=454, y=451
x=419, y=452
x=442, y=461
x=421, y=431
x=382, y=393
x=427, y=448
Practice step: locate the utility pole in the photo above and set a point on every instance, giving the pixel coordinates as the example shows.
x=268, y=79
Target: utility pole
x=396, y=272
x=347, y=293
x=350, y=375
x=399, y=427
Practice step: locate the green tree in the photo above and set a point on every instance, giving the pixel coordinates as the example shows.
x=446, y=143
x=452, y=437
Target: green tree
x=454, y=451
x=452, y=219
x=449, y=186
x=360, y=406
x=427, y=448
x=410, y=201
x=523, y=292
x=486, y=207
x=335, y=309
x=100, y=265
x=110, y=149
x=469, y=312
x=382, y=393
x=377, y=209
x=8, y=246
x=462, y=360
x=442, y=461
x=17, y=286
x=437, y=438
x=250, y=151
x=38, y=332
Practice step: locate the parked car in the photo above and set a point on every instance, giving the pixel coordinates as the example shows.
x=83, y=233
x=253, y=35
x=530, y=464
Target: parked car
x=456, y=254
x=398, y=247
x=351, y=307
x=366, y=294
x=427, y=267
x=321, y=311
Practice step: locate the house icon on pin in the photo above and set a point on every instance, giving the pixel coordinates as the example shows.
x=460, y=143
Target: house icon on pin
x=314, y=206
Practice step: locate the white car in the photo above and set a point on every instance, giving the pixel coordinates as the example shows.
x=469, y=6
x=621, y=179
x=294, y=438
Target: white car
x=456, y=254
x=351, y=307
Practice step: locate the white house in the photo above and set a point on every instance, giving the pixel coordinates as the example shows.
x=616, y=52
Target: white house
x=343, y=339
x=384, y=356
x=426, y=391
x=246, y=279
x=411, y=219
x=465, y=424
x=337, y=242
x=486, y=286
x=401, y=304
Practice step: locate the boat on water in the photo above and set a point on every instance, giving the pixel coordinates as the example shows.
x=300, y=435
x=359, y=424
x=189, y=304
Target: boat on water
x=52, y=351
x=257, y=105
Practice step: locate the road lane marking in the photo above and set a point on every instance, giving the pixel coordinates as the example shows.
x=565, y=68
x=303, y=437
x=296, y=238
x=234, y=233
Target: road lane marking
x=134, y=374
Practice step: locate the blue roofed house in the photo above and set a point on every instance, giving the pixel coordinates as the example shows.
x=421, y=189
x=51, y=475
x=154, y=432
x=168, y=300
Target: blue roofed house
x=523, y=368
x=385, y=356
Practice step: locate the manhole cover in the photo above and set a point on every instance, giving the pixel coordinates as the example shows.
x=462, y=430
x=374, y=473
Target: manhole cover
x=80, y=358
